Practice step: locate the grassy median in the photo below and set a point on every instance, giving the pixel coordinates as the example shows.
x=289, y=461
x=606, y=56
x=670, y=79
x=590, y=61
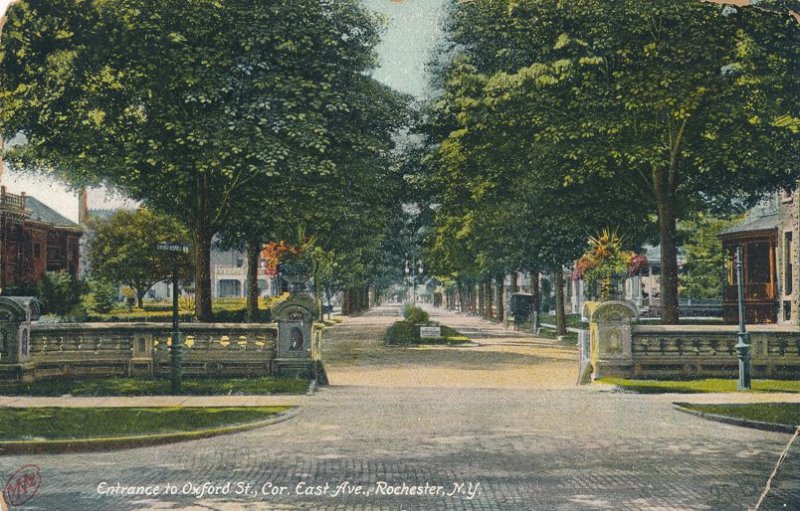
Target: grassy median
x=774, y=413
x=699, y=386
x=40, y=424
x=102, y=387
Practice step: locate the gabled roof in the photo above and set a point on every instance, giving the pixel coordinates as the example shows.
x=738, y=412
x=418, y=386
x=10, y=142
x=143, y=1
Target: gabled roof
x=763, y=217
x=40, y=212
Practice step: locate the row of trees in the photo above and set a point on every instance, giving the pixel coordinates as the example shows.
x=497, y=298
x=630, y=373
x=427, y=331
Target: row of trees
x=557, y=119
x=242, y=119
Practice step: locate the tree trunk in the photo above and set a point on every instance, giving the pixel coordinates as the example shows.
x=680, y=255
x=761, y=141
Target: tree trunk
x=481, y=299
x=202, y=262
x=488, y=292
x=500, y=298
x=514, y=282
x=253, y=252
x=139, y=298
x=536, y=292
x=318, y=296
x=669, y=249
x=346, y=302
x=561, y=323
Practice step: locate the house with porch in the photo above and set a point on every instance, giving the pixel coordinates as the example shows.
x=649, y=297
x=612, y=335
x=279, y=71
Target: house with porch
x=34, y=239
x=770, y=241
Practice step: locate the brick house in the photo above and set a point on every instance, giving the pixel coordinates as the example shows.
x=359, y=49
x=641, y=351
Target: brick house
x=34, y=239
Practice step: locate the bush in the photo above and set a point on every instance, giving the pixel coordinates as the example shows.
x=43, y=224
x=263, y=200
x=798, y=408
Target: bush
x=415, y=315
x=101, y=298
x=161, y=316
x=406, y=332
x=21, y=290
x=60, y=292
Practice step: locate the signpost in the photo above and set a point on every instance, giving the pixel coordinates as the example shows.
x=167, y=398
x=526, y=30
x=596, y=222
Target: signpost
x=430, y=332
x=176, y=349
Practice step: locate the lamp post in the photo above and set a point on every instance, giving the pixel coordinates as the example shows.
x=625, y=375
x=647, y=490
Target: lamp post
x=176, y=349
x=743, y=346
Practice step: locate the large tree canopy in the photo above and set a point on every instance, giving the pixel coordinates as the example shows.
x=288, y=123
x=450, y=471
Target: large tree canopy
x=190, y=107
x=676, y=107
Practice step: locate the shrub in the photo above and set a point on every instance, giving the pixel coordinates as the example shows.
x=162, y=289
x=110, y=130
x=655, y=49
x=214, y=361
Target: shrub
x=101, y=297
x=403, y=332
x=60, y=292
x=21, y=290
x=415, y=314
x=406, y=332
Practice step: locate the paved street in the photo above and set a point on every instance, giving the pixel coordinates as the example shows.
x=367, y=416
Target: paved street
x=503, y=419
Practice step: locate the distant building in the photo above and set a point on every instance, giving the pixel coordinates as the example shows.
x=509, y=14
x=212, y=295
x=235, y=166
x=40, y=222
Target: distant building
x=770, y=241
x=34, y=239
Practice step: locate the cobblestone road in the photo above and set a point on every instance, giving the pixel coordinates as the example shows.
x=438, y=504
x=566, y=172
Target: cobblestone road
x=502, y=419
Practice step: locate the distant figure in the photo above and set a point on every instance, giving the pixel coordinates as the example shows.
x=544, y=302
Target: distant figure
x=296, y=338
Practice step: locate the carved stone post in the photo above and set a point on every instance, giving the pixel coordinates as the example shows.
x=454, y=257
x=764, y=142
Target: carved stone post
x=610, y=337
x=16, y=315
x=295, y=357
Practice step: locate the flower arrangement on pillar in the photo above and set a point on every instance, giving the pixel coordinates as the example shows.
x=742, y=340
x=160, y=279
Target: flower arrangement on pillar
x=294, y=263
x=606, y=264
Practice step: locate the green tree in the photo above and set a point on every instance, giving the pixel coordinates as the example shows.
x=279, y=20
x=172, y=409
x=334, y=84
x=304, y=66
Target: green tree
x=685, y=105
x=703, y=273
x=124, y=249
x=186, y=106
x=60, y=292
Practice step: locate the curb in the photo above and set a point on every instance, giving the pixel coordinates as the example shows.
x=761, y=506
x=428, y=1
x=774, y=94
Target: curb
x=734, y=421
x=133, y=442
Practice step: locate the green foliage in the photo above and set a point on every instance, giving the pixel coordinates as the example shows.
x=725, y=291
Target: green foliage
x=407, y=332
x=703, y=272
x=221, y=314
x=199, y=108
x=559, y=116
x=101, y=298
x=124, y=249
x=21, y=290
x=414, y=314
x=60, y=293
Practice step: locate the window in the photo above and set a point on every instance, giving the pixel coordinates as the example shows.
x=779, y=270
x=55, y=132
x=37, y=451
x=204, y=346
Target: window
x=230, y=288
x=788, y=277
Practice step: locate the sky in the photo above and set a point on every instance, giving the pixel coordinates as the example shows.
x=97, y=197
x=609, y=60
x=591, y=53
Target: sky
x=412, y=31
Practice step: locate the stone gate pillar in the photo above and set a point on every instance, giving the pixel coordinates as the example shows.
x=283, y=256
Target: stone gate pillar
x=295, y=354
x=610, y=337
x=16, y=316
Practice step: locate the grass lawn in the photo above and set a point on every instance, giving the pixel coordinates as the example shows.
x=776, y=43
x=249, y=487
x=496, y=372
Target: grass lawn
x=776, y=413
x=573, y=320
x=80, y=423
x=699, y=386
x=158, y=387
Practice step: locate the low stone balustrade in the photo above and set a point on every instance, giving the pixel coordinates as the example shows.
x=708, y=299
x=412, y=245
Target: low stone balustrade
x=142, y=349
x=621, y=347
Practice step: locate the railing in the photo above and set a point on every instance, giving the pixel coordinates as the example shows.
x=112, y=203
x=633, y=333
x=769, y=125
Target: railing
x=757, y=291
x=124, y=349
x=12, y=202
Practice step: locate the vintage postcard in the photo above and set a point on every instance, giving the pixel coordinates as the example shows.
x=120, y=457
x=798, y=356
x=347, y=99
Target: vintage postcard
x=399, y=255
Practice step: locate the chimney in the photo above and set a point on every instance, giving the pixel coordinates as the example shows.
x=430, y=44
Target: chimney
x=83, y=207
